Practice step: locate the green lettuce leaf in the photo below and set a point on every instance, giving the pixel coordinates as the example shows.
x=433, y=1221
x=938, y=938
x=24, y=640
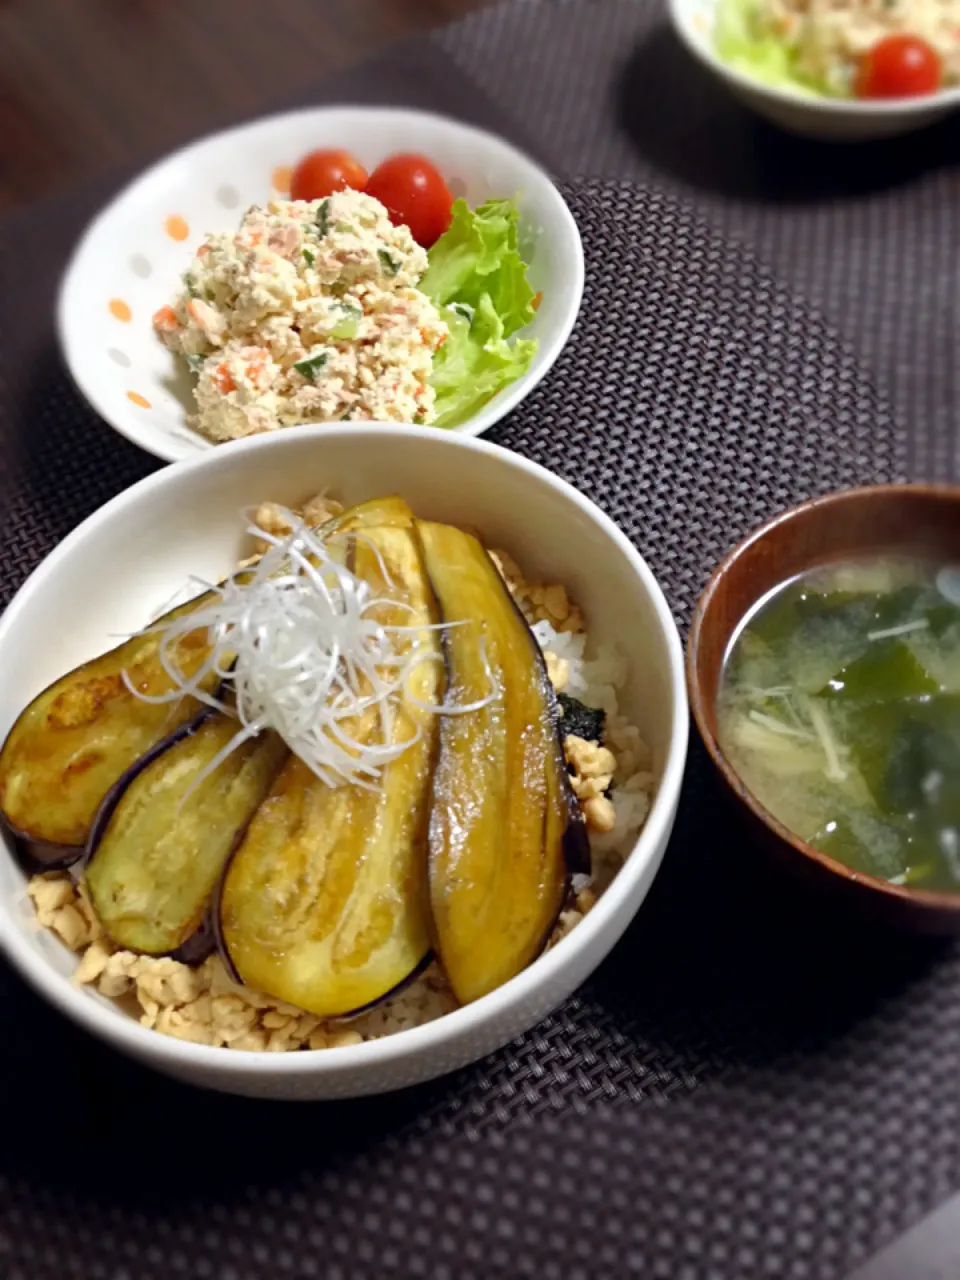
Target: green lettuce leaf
x=479, y=255
x=475, y=362
x=741, y=43
x=478, y=280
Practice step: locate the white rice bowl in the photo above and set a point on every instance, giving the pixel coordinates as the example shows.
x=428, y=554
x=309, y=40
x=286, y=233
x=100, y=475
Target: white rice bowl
x=118, y=567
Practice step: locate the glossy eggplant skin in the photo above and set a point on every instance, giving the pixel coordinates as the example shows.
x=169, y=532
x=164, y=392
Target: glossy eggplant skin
x=82, y=733
x=501, y=808
x=37, y=856
x=201, y=943
x=324, y=903
x=163, y=834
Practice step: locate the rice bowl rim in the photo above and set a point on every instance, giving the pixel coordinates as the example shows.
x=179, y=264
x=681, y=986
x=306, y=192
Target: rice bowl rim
x=123, y=1032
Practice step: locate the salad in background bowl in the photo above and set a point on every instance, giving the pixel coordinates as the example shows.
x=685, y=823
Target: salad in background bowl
x=832, y=69
x=330, y=265
x=872, y=50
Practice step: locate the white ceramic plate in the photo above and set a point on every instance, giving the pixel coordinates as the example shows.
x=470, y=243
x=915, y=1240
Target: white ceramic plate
x=831, y=119
x=132, y=556
x=130, y=260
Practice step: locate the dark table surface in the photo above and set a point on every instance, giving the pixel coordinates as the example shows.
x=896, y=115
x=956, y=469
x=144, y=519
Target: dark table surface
x=86, y=88
x=88, y=91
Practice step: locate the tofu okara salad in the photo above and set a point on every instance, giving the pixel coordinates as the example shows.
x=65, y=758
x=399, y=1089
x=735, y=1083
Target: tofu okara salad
x=328, y=310
x=370, y=775
x=869, y=49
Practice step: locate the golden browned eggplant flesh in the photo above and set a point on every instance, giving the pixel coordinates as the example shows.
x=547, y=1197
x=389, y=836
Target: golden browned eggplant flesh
x=165, y=831
x=500, y=812
x=84, y=732
x=324, y=904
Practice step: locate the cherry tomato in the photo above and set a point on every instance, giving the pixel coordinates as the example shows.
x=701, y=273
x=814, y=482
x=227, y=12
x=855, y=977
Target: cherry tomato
x=414, y=193
x=899, y=66
x=322, y=172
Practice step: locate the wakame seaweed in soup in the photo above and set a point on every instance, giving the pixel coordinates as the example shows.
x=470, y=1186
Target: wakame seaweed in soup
x=840, y=708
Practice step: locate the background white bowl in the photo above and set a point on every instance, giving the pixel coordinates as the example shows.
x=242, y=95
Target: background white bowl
x=128, y=559
x=831, y=119
x=127, y=264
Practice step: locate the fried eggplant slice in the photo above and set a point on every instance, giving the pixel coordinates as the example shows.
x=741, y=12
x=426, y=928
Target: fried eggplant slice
x=160, y=841
x=324, y=903
x=84, y=731
x=73, y=742
x=391, y=512
x=501, y=803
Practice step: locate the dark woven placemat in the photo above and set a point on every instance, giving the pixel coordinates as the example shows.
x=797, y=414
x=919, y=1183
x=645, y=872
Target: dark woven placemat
x=743, y=1089
x=868, y=234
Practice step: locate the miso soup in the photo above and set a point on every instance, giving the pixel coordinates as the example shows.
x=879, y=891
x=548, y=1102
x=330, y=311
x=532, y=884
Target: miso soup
x=840, y=708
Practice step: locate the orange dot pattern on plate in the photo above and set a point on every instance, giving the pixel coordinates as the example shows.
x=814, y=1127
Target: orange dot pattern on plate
x=176, y=227
x=119, y=310
x=138, y=399
x=281, y=179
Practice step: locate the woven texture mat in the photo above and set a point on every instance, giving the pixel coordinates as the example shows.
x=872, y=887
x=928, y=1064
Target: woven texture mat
x=869, y=234
x=743, y=1089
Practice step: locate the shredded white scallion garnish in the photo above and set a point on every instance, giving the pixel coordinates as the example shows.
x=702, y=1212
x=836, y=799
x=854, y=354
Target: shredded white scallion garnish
x=778, y=726
x=297, y=647
x=905, y=629
x=818, y=717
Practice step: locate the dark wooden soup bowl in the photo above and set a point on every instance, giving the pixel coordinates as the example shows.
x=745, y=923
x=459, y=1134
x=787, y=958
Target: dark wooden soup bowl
x=909, y=519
